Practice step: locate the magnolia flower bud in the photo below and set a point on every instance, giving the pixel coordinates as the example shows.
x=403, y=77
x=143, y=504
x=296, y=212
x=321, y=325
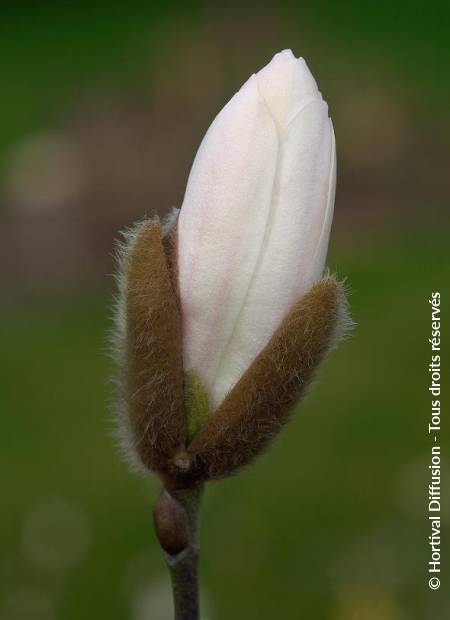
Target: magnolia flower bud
x=223, y=314
x=254, y=225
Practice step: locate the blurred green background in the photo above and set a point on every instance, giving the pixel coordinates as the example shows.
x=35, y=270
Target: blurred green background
x=102, y=109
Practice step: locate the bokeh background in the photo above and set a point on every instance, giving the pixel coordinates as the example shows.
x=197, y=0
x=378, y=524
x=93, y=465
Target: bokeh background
x=101, y=112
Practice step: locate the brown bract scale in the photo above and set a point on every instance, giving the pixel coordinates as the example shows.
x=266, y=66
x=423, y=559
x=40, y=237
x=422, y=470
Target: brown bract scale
x=260, y=403
x=171, y=524
x=154, y=368
x=153, y=421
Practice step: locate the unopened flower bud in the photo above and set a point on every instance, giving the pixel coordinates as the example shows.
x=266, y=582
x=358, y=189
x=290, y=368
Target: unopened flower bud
x=255, y=221
x=225, y=316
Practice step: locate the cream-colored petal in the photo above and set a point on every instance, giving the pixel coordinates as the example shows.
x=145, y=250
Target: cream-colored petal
x=287, y=85
x=222, y=225
x=290, y=261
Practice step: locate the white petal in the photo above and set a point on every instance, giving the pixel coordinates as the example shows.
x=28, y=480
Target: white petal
x=293, y=254
x=287, y=85
x=222, y=225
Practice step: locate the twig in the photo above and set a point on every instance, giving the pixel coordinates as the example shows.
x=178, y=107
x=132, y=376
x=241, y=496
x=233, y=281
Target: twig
x=176, y=525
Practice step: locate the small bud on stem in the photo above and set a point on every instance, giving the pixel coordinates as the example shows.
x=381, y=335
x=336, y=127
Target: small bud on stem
x=176, y=525
x=171, y=527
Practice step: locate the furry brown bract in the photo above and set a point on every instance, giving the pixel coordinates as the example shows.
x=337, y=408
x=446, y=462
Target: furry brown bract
x=260, y=403
x=154, y=394
x=153, y=369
